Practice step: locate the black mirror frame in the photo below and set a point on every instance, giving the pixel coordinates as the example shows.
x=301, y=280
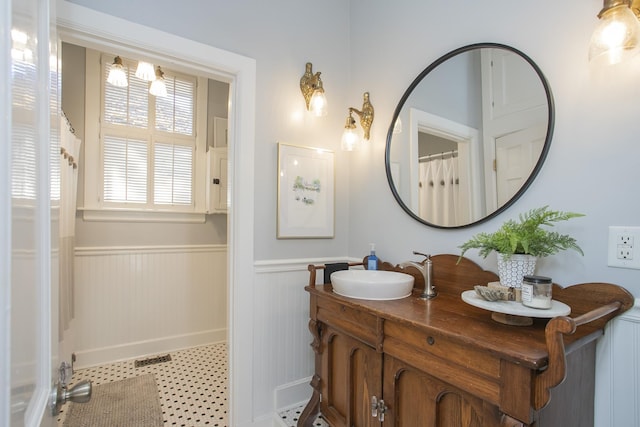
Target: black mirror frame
x=539, y=163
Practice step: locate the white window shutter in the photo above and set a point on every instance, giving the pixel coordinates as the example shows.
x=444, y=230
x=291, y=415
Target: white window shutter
x=149, y=159
x=173, y=174
x=175, y=112
x=125, y=170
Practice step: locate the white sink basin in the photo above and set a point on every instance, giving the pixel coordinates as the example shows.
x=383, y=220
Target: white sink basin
x=372, y=284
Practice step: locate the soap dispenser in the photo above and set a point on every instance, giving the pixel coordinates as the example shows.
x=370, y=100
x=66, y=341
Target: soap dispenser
x=372, y=263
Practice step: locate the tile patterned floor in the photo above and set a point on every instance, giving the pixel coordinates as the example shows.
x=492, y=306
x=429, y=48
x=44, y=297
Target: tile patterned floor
x=192, y=386
x=290, y=418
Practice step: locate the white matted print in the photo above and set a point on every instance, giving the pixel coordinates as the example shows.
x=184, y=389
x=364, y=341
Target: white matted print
x=305, y=192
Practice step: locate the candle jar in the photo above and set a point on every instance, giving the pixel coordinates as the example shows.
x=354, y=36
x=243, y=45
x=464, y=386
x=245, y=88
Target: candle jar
x=536, y=292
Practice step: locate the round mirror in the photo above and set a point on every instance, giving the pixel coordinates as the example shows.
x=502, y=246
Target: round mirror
x=469, y=135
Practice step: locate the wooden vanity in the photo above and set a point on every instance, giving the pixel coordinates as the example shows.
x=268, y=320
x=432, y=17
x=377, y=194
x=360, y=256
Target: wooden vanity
x=445, y=363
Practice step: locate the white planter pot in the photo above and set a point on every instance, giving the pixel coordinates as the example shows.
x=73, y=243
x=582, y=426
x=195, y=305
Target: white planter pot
x=512, y=270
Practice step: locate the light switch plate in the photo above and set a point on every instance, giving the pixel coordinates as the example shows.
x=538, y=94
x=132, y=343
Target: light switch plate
x=624, y=247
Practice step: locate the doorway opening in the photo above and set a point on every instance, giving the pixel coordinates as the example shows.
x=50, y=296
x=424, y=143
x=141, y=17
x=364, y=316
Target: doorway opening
x=91, y=29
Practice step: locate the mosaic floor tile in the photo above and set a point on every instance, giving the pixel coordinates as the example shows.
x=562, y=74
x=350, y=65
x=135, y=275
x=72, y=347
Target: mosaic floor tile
x=290, y=418
x=192, y=386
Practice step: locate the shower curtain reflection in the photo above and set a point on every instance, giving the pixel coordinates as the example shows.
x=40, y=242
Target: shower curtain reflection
x=439, y=189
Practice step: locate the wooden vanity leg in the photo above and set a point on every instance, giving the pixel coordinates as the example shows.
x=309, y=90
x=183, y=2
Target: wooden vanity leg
x=312, y=409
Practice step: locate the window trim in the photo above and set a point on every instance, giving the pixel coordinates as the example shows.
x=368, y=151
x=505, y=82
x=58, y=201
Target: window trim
x=94, y=208
x=138, y=215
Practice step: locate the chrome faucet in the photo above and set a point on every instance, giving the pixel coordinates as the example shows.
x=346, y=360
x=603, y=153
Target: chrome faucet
x=426, y=268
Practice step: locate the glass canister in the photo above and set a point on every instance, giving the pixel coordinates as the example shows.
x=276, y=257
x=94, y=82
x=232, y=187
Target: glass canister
x=536, y=291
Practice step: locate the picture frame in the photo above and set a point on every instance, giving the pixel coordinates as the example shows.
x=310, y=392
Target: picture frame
x=306, y=192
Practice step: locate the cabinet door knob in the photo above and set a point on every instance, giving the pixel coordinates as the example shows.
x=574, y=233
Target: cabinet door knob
x=431, y=340
x=378, y=408
x=374, y=406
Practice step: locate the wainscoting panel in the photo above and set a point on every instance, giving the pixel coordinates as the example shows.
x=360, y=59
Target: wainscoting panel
x=283, y=358
x=135, y=301
x=618, y=372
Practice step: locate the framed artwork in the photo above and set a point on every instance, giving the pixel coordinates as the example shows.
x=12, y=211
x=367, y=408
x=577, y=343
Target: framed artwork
x=305, y=193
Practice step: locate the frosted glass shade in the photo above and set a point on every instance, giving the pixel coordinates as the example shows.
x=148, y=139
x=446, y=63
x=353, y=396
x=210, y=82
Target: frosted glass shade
x=350, y=140
x=117, y=74
x=158, y=88
x=318, y=103
x=616, y=38
x=145, y=71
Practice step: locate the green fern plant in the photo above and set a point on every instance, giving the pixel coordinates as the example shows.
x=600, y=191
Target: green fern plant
x=526, y=236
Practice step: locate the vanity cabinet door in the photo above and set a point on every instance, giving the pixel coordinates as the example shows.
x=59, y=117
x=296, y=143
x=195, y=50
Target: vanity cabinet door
x=353, y=375
x=415, y=398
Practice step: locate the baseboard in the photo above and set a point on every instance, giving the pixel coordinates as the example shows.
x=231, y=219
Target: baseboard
x=292, y=394
x=278, y=422
x=100, y=356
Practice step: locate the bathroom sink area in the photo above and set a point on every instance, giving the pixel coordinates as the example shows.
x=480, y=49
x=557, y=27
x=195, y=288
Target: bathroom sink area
x=413, y=351
x=372, y=284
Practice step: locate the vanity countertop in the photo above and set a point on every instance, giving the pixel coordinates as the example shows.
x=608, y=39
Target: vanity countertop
x=449, y=316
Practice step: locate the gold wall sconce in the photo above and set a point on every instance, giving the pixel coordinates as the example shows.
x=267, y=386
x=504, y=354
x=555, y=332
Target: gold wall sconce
x=313, y=92
x=117, y=74
x=617, y=36
x=350, y=139
x=158, y=87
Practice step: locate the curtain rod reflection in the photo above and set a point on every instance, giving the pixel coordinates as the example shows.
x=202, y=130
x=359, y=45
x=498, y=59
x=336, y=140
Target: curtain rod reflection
x=447, y=155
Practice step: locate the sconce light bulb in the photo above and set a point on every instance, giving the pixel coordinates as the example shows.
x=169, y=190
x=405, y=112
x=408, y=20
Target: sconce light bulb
x=350, y=139
x=145, y=71
x=617, y=36
x=318, y=103
x=158, y=87
x=117, y=75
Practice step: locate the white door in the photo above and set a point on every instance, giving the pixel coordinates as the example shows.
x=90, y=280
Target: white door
x=515, y=86
x=514, y=105
x=28, y=296
x=516, y=156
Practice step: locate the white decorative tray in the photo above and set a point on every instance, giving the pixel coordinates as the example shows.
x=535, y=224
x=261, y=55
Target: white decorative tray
x=515, y=308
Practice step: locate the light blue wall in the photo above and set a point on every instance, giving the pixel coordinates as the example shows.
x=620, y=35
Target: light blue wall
x=592, y=164
x=452, y=90
x=281, y=35
x=380, y=46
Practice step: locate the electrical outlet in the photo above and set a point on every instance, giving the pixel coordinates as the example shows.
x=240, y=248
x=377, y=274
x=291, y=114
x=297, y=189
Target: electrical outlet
x=622, y=249
x=625, y=252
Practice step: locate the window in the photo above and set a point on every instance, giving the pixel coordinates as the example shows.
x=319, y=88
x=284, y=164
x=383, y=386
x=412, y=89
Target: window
x=125, y=170
x=134, y=122
x=147, y=154
x=24, y=137
x=25, y=128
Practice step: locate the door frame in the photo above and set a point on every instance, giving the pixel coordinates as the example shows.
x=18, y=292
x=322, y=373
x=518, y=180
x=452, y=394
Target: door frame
x=86, y=27
x=5, y=215
x=468, y=140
